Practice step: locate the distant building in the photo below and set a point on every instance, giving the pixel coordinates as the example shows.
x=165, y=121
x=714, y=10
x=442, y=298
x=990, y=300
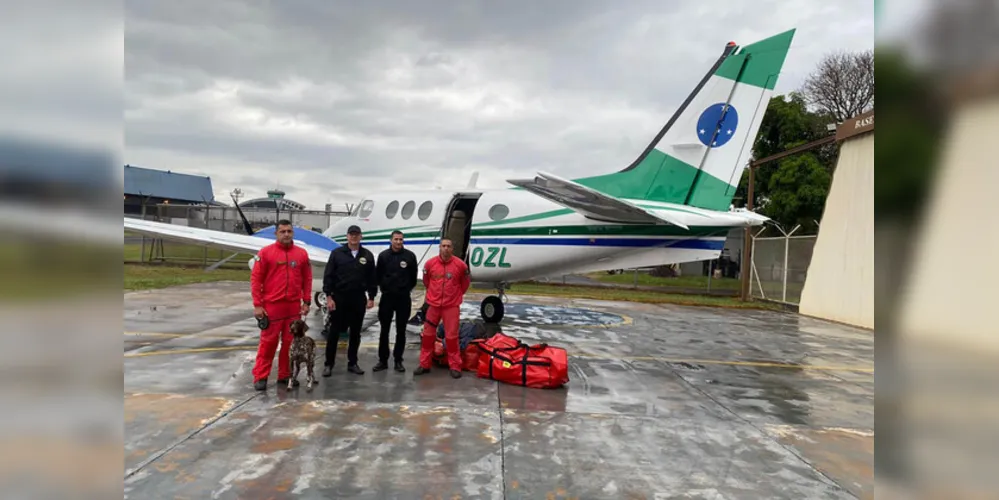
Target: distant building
x=275, y=200
x=144, y=186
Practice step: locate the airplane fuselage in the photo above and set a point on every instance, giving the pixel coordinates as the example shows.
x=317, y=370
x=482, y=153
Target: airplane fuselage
x=644, y=214
x=508, y=235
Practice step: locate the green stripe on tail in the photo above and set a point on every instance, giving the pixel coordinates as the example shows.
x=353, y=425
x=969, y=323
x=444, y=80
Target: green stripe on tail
x=680, y=168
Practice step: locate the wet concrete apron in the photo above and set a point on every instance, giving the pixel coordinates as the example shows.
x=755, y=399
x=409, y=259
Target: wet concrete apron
x=663, y=400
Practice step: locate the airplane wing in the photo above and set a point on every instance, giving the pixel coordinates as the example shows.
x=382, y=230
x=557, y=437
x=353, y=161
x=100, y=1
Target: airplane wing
x=590, y=202
x=318, y=253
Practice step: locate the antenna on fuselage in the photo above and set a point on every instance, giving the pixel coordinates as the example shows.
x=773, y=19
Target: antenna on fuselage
x=246, y=223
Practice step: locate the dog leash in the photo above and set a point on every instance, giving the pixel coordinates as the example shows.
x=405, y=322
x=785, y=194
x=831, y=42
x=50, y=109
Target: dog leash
x=265, y=321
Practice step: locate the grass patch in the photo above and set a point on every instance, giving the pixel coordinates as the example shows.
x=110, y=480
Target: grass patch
x=624, y=294
x=644, y=279
x=149, y=277
x=180, y=253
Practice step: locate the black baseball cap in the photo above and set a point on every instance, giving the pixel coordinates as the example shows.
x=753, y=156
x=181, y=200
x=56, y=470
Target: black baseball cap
x=353, y=229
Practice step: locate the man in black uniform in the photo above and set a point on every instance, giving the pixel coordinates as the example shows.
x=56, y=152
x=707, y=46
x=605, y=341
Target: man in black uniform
x=397, y=270
x=349, y=275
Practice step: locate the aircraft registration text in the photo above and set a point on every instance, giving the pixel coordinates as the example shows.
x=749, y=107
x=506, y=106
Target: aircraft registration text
x=489, y=257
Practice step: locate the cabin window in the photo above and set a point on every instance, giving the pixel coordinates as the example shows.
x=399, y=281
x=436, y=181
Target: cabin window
x=498, y=212
x=425, y=209
x=391, y=209
x=366, y=209
x=407, y=209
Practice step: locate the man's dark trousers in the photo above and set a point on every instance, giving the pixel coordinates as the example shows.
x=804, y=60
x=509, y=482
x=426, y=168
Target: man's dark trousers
x=398, y=305
x=350, y=309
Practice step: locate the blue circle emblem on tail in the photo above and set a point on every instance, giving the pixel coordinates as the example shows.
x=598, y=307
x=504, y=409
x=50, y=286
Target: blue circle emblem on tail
x=717, y=117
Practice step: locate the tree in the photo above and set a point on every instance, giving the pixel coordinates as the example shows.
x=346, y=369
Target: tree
x=787, y=123
x=842, y=85
x=797, y=193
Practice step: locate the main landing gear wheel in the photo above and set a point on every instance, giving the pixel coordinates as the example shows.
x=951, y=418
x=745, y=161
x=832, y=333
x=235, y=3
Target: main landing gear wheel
x=319, y=300
x=492, y=309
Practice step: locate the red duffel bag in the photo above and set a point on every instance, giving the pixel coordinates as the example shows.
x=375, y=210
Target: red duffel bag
x=506, y=359
x=501, y=340
x=469, y=357
x=440, y=355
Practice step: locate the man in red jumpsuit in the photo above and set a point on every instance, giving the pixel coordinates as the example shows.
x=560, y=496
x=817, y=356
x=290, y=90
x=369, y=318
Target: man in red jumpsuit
x=446, y=279
x=281, y=286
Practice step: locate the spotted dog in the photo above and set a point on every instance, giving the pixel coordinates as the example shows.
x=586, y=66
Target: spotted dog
x=303, y=350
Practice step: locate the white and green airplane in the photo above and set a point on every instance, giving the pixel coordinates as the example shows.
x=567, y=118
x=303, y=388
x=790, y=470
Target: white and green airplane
x=671, y=205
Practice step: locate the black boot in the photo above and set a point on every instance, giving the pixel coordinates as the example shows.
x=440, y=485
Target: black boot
x=455, y=374
x=260, y=385
x=327, y=371
x=380, y=366
x=355, y=369
x=398, y=367
x=421, y=370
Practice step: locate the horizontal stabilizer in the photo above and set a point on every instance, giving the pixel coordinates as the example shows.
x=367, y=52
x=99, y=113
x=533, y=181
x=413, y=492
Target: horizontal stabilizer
x=590, y=202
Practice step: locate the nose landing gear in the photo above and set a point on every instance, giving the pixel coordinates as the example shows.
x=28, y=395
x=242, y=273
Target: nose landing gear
x=319, y=299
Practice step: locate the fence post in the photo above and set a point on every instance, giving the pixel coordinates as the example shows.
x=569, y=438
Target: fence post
x=751, y=269
x=787, y=241
x=787, y=244
x=711, y=272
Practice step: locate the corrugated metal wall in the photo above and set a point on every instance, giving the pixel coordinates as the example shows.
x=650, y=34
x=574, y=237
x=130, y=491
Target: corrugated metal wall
x=840, y=282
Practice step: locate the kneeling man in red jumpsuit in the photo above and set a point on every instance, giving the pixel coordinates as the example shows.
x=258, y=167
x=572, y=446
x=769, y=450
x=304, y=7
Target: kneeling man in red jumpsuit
x=281, y=286
x=446, y=279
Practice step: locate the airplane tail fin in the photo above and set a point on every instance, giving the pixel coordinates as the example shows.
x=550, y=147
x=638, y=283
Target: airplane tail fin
x=698, y=157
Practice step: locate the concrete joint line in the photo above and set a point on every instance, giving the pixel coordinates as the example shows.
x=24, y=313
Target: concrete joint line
x=766, y=435
x=499, y=410
x=156, y=456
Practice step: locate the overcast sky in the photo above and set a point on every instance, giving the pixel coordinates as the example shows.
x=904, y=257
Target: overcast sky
x=304, y=94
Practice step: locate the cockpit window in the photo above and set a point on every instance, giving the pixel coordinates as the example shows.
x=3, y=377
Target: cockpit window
x=366, y=207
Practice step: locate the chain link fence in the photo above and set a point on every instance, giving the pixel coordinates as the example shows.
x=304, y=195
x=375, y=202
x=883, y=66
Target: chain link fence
x=145, y=249
x=779, y=267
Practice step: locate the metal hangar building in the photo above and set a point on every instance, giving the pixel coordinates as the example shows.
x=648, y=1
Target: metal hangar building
x=149, y=187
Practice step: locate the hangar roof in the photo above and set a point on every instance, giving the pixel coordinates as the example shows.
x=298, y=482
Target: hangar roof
x=166, y=184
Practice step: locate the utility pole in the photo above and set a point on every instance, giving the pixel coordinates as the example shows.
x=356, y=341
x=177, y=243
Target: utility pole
x=747, y=252
x=747, y=248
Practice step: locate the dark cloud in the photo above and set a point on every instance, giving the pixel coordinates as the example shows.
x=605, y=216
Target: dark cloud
x=334, y=99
